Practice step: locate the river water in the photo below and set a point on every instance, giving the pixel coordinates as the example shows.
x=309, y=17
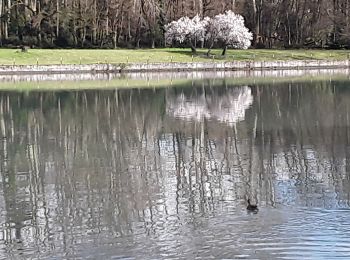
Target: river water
x=165, y=173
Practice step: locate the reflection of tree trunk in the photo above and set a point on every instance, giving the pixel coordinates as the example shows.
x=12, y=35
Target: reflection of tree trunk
x=266, y=175
x=4, y=158
x=239, y=159
x=259, y=167
x=2, y=120
x=347, y=147
x=192, y=166
x=334, y=138
x=178, y=159
x=59, y=116
x=96, y=113
x=202, y=162
x=36, y=183
x=9, y=181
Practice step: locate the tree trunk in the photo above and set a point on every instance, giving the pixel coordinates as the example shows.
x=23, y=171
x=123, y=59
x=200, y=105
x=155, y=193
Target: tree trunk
x=224, y=50
x=107, y=20
x=347, y=16
x=115, y=39
x=38, y=9
x=233, y=4
x=57, y=18
x=209, y=49
x=334, y=21
x=7, y=20
x=94, y=23
x=1, y=32
x=200, y=7
x=83, y=37
x=255, y=19
x=194, y=50
x=39, y=39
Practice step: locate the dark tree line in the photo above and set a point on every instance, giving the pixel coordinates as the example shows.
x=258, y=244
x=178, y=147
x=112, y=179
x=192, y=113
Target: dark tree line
x=140, y=23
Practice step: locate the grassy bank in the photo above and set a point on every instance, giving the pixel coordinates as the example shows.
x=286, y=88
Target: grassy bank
x=46, y=57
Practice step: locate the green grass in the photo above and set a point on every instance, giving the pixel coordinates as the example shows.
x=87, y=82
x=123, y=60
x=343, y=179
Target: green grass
x=77, y=56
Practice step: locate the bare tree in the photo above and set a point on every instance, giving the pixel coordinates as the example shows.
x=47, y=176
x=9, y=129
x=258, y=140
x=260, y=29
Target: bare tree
x=77, y=23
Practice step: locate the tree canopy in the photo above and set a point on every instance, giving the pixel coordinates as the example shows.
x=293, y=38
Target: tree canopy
x=227, y=29
x=187, y=30
x=141, y=23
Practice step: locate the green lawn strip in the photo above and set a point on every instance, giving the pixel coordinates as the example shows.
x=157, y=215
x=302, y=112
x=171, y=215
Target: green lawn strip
x=163, y=83
x=94, y=56
x=89, y=84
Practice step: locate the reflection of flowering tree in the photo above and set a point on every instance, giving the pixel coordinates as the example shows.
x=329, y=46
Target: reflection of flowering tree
x=229, y=108
x=190, y=108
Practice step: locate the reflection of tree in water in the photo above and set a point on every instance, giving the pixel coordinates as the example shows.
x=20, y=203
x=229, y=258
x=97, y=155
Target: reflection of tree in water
x=228, y=107
x=79, y=164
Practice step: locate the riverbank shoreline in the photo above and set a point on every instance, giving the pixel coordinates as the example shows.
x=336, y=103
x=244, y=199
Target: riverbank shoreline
x=175, y=66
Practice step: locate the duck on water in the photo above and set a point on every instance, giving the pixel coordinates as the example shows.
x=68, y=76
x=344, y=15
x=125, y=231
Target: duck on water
x=251, y=207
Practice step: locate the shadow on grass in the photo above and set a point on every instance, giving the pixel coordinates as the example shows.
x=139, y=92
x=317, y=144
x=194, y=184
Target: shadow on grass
x=182, y=52
x=199, y=53
x=203, y=54
x=255, y=55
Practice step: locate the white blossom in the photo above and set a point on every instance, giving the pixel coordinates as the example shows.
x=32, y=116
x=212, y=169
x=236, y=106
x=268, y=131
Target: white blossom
x=186, y=29
x=227, y=109
x=229, y=29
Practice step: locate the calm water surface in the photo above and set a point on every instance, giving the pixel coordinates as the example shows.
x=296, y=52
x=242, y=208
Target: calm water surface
x=165, y=174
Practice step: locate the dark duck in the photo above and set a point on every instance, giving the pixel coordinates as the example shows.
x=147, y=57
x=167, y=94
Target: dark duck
x=251, y=207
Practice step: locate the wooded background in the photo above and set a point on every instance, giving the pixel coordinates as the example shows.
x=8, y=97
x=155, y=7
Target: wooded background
x=140, y=23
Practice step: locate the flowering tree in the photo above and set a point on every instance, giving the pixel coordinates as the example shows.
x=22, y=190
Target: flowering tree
x=187, y=30
x=229, y=30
